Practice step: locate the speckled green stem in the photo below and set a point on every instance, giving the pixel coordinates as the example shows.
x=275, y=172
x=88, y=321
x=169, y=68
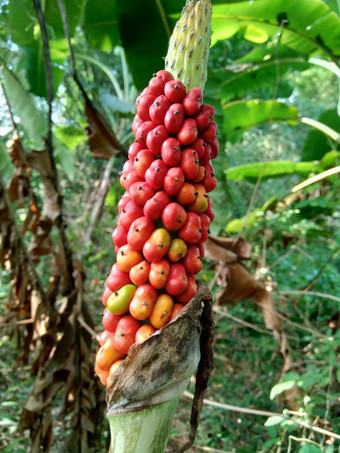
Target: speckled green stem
x=145, y=431
x=189, y=44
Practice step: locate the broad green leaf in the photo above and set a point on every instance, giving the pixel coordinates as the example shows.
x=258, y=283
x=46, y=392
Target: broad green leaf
x=145, y=30
x=260, y=67
x=268, y=170
x=75, y=11
x=281, y=387
x=101, y=24
x=32, y=60
x=310, y=25
x=236, y=225
x=65, y=159
x=31, y=52
x=116, y=104
x=274, y=420
x=6, y=167
x=318, y=144
x=242, y=115
x=33, y=121
x=21, y=21
x=309, y=448
x=70, y=136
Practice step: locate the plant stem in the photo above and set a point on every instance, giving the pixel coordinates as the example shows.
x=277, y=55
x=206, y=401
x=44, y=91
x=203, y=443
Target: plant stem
x=145, y=431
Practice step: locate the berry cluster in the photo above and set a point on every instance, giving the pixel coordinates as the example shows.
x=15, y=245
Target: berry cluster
x=164, y=217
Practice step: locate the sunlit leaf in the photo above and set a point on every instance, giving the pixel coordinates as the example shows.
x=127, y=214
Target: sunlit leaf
x=33, y=122
x=242, y=115
x=274, y=420
x=281, y=387
x=318, y=144
x=306, y=25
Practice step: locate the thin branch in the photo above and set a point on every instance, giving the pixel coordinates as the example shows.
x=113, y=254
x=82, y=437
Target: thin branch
x=64, y=19
x=49, y=141
x=312, y=293
x=246, y=410
x=250, y=207
x=316, y=178
x=210, y=449
x=310, y=284
x=240, y=321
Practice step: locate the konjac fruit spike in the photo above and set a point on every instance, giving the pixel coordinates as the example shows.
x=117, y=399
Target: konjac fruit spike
x=165, y=212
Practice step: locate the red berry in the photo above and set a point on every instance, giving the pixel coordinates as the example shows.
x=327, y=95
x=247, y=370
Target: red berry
x=127, y=179
x=119, y=236
x=189, y=163
x=174, y=91
x=173, y=181
x=155, y=139
x=209, y=181
x=214, y=148
x=193, y=102
x=199, y=146
x=204, y=117
x=143, y=104
x=158, y=109
x=156, y=84
x=123, y=201
x=125, y=334
x=143, y=161
x=209, y=133
x=134, y=149
x=109, y=320
x=136, y=123
x=171, y=152
x=177, y=281
x=192, y=260
x=130, y=213
x=210, y=210
x=140, y=192
x=155, y=174
x=143, y=131
x=189, y=293
x=106, y=294
x=188, y=132
x=139, y=232
x=174, y=118
x=174, y=217
x=154, y=207
x=192, y=230
x=117, y=279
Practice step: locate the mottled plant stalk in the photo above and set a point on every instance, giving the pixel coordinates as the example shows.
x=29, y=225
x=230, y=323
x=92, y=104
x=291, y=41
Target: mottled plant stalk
x=189, y=44
x=143, y=396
